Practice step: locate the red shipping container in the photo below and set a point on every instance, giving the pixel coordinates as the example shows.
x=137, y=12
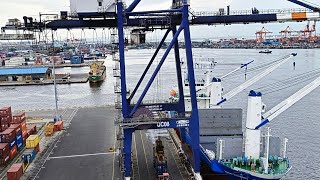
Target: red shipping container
x=6, y=111
x=16, y=127
x=28, y=133
x=37, y=148
x=15, y=172
x=5, y=120
x=4, y=160
x=13, y=152
x=58, y=126
x=7, y=136
x=18, y=118
x=4, y=150
x=33, y=129
x=4, y=127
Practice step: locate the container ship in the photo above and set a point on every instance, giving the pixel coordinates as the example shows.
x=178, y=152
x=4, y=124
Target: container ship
x=228, y=148
x=97, y=72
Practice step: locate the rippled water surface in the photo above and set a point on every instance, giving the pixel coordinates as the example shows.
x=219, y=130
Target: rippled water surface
x=300, y=123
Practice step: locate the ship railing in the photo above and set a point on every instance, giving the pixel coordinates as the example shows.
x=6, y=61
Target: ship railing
x=116, y=73
x=249, y=12
x=117, y=87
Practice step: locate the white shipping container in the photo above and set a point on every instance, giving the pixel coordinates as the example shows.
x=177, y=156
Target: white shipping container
x=92, y=6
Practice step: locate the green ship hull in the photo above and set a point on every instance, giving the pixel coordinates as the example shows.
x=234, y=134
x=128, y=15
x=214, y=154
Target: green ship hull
x=98, y=77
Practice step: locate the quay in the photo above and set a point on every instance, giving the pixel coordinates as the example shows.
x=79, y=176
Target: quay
x=86, y=149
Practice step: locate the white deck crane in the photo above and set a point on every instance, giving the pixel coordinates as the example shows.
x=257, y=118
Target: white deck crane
x=284, y=105
x=213, y=98
x=253, y=80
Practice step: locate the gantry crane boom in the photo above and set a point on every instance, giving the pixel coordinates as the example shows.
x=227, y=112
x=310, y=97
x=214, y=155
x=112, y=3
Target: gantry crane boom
x=303, y=4
x=284, y=105
x=254, y=79
x=238, y=68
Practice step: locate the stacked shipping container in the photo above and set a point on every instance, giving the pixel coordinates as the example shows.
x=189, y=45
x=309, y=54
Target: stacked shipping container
x=13, y=134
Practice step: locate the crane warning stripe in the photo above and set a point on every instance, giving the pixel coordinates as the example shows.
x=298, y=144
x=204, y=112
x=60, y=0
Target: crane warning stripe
x=299, y=16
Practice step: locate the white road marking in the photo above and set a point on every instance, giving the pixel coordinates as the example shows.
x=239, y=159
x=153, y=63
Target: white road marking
x=80, y=155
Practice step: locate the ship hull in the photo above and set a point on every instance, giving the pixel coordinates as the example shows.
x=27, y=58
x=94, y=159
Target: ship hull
x=97, y=78
x=239, y=174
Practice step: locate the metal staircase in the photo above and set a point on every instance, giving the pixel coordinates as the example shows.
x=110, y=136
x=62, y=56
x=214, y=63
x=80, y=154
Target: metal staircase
x=117, y=90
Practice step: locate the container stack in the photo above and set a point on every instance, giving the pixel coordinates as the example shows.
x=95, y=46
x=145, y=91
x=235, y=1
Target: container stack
x=5, y=118
x=9, y=136
x=4, y=153
x=13, y=134
x=18, y=135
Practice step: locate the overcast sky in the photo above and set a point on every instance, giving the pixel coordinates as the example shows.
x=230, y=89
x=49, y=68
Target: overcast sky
x=20, y=8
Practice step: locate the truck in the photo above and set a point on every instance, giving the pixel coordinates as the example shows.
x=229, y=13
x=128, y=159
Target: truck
x=160, y=161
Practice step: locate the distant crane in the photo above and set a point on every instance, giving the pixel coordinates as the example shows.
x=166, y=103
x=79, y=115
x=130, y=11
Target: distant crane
x=262, y=35
x=307, y=32
x=287, y=36
x=287, y=32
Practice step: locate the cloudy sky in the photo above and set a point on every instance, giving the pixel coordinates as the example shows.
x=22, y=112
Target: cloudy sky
x=19, y=8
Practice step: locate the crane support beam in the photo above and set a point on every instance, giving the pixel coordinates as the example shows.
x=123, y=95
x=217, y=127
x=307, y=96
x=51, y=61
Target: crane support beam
x=284, y=105
x=251, y=81
x=315, y=9
x=177, y=19
x=238, y=68
x=133, y=5
x=149, y=64
x=156, y=70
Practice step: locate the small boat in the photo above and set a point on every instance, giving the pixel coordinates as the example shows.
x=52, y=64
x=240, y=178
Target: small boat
x=267, y=51
x=97, y=72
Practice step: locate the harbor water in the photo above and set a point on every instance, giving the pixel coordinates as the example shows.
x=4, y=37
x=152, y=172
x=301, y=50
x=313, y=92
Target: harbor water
x=299, y=123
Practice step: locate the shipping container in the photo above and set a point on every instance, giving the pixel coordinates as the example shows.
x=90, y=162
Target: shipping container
x=19, y=137
x=3, y=161
x=16, y=127
x=12, y=143
x=32, y=128
x=5, y=119
x=7, y=136
x=20, y=145
x=49, y=129
x=24, y=128
x=15, y=172
x=4, y=150
x=28, y=156
x=58, y=126
x=18, y=118
x=4, y=127
x=32, y=141
x=13, y=152
x=6, y=111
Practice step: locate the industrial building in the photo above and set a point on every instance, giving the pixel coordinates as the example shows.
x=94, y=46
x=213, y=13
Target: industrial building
x=24, y=74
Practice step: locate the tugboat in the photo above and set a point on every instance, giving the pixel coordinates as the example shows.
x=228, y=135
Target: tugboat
x=97, y=72
x=267, y=51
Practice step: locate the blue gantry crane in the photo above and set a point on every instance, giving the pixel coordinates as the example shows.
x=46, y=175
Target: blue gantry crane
x=177, y=19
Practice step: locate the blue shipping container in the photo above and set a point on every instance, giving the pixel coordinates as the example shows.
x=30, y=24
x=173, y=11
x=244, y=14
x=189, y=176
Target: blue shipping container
x=28, y=155
x=20, y=146
x=19, y=136
x=76, y=60
x=19, y=141
x=12, y=143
